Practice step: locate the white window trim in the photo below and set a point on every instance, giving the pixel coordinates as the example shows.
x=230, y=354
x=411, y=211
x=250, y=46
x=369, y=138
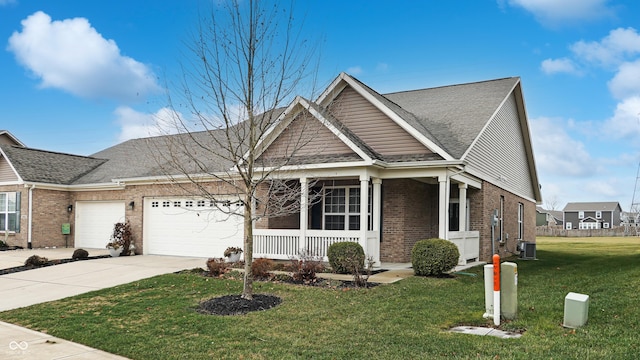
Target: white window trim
x=520, y=221
x=5, y=213
x=598, y=214
x=346, y=213
x=580, y=214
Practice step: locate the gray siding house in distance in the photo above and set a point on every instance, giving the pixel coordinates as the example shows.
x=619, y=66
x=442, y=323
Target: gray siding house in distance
x=591, y=215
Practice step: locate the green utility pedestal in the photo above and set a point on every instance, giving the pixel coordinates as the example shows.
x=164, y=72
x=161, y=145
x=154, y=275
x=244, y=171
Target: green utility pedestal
x=509, y=290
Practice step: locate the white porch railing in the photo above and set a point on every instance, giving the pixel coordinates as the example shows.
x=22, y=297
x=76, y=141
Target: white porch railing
x=286, y=244
x=468, y=243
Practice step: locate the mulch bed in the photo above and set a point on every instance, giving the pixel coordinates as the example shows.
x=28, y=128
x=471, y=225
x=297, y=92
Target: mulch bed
x=48, y=263
x=7, y=248
x=236, y=305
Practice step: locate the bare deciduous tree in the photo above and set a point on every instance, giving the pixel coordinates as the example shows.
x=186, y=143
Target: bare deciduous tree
x=552, y=203
x=248, y=60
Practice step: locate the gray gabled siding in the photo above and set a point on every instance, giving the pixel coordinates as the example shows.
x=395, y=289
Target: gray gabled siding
x=499, y=155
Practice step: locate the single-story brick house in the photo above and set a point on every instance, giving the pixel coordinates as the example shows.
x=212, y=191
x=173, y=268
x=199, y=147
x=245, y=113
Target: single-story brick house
x=436, y=162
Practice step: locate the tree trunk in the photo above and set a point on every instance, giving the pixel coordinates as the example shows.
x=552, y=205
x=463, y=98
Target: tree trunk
x=247, y=290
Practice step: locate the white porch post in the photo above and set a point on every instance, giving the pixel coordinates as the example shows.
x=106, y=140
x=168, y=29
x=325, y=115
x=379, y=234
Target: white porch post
x=443, y=206
x=364, y=210
x=462, y=188
x=377, y=205
x=375, y=215
x=304, y=210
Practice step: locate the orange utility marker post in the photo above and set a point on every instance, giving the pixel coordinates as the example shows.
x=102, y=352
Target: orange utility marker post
x=496, y=289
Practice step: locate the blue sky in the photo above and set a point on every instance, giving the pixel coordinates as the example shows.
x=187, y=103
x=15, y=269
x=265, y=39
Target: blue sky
x=78, y=76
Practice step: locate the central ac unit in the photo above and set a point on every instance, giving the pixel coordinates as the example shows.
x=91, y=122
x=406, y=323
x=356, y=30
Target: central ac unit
x=528, y=251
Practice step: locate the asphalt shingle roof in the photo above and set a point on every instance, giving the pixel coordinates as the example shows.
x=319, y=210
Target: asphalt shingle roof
x=591, y=206
x=49, y=167
x=455, y=114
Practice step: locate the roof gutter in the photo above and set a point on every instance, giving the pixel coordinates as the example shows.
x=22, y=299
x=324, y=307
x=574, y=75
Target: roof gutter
x=83, y=187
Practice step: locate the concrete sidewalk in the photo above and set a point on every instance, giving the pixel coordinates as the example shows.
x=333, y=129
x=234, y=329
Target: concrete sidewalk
x=20, y=343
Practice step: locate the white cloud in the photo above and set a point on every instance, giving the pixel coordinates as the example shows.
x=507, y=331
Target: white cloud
x=555, y=12
x=71, y=55
x=553, y=66
x=613, y=49
x=604, y=188
x=625, y=122
x=556, y=152
x=135, y=124
x=626, y=82
x=355, y=70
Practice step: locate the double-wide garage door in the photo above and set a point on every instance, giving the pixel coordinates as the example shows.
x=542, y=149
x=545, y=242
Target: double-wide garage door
x=190, y=227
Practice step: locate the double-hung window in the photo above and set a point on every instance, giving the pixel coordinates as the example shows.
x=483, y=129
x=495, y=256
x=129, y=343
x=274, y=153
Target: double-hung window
x=10, y=212
x=342, y=208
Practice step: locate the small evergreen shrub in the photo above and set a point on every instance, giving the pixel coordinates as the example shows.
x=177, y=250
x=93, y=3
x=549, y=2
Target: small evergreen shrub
x=346, y=257
x=434, y=257
x=216, y=266
x=35, y=260
x=80, y=254
x=260, y=267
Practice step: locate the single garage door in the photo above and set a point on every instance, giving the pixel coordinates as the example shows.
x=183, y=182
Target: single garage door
x=94, y=222
x=190, y=227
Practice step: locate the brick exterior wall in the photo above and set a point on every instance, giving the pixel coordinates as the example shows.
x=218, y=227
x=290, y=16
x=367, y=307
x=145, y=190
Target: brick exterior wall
x=483, y=203
x=49, y=213
x=409, y=214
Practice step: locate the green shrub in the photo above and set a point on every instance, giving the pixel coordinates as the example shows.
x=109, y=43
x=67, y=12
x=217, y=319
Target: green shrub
x=80, y=254
x=260, y=267
x=434, y=257
x=346, y=257
x=35, y=260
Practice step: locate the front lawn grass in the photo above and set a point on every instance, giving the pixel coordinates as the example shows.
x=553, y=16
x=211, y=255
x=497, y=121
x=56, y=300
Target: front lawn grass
x=156, y=318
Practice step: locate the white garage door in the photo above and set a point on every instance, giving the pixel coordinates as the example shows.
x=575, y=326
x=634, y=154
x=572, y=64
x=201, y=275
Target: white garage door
x=189, y=227
x=94, y=222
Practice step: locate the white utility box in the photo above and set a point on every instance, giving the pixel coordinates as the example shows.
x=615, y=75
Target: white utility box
x=576, y=310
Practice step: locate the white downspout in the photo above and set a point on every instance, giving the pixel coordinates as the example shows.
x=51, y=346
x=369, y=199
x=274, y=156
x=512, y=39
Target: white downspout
x=30, y=222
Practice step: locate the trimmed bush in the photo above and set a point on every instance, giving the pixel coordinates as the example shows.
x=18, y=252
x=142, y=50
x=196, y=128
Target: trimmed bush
x=80, y=254
x=260, y=267
x=434, y=257
x=346, y=257
x=305, y=268
x=36, y=261
x=216, y=266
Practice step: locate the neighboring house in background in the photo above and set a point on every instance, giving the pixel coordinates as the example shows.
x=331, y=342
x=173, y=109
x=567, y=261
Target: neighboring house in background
x=548, y=217
x=394, y=169
x=591, y=215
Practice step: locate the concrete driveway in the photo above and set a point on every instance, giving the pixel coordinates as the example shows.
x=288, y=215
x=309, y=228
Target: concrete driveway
x=64, y=280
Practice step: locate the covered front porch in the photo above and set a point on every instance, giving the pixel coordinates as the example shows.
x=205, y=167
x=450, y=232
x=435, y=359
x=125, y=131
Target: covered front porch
x=378, y=212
